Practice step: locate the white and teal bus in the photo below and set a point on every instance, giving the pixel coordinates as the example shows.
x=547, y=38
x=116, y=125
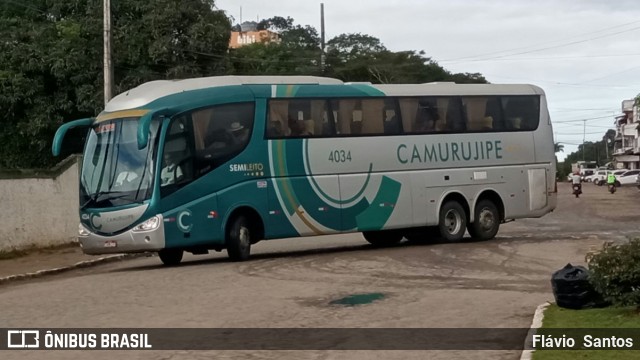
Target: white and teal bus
x=224, y=162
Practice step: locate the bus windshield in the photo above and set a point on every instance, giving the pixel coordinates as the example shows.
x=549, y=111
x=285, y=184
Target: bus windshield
x=114, y=171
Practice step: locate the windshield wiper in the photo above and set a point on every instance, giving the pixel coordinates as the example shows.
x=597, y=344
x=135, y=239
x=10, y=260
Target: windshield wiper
x=94, y=197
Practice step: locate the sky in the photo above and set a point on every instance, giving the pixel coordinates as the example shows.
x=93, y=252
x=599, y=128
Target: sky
x=584, y=54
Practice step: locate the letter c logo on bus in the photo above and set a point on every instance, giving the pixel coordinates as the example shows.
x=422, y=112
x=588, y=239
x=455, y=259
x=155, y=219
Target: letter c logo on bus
x=180, y=222
x=92, y=221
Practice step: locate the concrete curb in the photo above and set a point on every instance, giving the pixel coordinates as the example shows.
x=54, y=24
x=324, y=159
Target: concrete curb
x=527, y=353
x=78, y=265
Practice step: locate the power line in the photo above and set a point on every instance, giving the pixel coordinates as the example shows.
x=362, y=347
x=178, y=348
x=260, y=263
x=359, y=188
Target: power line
x=582, y=109
x=554, y=58
x=587, y=119
x=588, y=133
x=589, y=126
x=609, y=75
x=554, y=46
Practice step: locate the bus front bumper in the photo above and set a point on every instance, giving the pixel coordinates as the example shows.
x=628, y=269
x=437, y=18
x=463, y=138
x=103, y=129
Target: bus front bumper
x=127, y=242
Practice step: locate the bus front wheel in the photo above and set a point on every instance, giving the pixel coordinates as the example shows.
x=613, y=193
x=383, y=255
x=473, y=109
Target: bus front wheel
x=382, y=238
x=453, y=220
x=239, y=239
x=170, y=257
x=486, y=223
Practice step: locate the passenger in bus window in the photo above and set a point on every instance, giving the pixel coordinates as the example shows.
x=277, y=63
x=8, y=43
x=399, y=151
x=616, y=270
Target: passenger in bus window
x=426, y=118
x=297, y=128
x=240, y=133
x=171, y=172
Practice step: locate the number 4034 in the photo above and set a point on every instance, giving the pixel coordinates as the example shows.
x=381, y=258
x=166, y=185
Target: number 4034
x=338, y=156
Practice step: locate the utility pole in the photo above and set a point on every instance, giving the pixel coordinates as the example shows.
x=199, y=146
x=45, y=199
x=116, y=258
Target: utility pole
x=584, y=134
x=322, y=55
x=108, y=70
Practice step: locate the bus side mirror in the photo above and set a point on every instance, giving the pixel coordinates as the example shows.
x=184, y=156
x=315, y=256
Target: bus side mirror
x=62, y=130
x=143, y=126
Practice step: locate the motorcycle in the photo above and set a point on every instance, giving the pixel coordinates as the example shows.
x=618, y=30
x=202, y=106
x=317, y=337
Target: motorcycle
x=612, y=188
x=577, y=189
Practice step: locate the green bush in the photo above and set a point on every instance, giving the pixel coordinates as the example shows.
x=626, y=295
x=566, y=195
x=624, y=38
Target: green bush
x=615, y=273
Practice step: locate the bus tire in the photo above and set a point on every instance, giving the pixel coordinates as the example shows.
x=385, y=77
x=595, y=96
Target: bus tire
x=170, y=257
x=382, y=238
x=239, y=239
x=452, y=221
x=486, y=221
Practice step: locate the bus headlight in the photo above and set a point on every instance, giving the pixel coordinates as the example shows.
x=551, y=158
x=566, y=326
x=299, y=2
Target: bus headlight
x=148, y=225
x=82, y=231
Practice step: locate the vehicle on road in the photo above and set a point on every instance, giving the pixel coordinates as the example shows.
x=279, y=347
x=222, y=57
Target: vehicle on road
x=600, y=175
x=601, y=181
x=577, y=189
x=627, y=178
x=224, y=162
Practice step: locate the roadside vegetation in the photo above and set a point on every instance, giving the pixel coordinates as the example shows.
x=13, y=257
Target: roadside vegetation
x=615, y=274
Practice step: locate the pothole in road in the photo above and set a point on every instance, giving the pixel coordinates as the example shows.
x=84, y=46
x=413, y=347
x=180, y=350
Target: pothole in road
x=358, y=299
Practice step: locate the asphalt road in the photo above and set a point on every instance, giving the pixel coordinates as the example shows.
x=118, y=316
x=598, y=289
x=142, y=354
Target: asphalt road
x=289, y=283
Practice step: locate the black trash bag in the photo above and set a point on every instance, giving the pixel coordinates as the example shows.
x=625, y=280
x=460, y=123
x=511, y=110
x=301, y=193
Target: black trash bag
x=572, y=289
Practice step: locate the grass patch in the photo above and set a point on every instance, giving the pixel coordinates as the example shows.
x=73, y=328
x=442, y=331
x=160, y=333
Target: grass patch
x=33, y=249
x=606, y=318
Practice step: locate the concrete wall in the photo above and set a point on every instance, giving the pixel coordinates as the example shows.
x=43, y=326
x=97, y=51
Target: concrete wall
x=39, y=208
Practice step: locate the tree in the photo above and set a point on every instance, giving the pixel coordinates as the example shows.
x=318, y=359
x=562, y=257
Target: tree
x=51, y=61
x=350, y=57
x=346, y=47
x=558, y=147
x=358, y=57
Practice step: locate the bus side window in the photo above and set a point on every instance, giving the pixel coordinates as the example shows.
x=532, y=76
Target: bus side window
x=300, y=118
x=220, y=133
x=455, y=115
x=314, y=125
x=494, y=112
x=521, y=112
x=483, y=113
x=177, y=159
x=427, y=115
x=372, y=117
x=345, y=110
x=333, y=117
x=277, y=121
x=391, y=116
x=408, y=110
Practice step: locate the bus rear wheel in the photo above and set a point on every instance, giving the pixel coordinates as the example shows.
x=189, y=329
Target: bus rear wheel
x=382, y=238
x=170, y=257
x=486, y=222
x=452, y=221
x=239, y=239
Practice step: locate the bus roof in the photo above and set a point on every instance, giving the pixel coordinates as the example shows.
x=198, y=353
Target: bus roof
x=153, y=90
x=449, y=88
